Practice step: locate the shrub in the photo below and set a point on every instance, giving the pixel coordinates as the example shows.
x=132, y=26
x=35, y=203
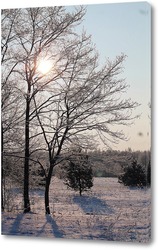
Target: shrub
x=134, y=175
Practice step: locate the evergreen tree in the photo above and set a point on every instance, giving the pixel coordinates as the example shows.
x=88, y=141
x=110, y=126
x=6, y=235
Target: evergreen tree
x=79, y=175
x=134, y=175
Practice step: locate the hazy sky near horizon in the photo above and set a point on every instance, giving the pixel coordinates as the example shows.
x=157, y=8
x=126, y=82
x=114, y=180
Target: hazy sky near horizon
x=126, y=28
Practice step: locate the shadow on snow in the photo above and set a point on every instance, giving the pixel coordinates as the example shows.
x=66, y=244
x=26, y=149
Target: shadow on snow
x=16, y=225
x=54, y=228
x=23, y=225
x=93, y=205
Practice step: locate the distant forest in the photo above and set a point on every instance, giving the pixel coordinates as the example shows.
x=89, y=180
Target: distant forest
x=110, y=163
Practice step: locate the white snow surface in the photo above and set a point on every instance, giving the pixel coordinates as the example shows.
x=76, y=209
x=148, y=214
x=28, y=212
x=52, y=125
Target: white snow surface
x=109, y=211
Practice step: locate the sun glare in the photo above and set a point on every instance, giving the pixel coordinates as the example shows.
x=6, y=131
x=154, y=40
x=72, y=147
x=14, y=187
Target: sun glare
x=44, y=66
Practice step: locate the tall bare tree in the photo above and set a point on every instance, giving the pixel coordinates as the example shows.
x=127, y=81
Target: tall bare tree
x=89, y=104
x=37, y=33
x=11, y=103
x=77, y=101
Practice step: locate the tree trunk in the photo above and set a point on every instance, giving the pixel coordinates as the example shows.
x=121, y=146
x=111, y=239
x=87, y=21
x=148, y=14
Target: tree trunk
x=47, y=209
x=2, y=172
x=80, y=186
x=48, y=180
x=80, y=191
x=26, y=161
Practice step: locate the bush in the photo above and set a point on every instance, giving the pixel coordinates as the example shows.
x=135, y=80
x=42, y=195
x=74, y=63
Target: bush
x=134, y=175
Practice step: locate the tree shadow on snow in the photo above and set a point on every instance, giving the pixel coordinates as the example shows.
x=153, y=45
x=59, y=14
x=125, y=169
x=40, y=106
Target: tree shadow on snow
x=16, y=225
x=93, y=205
x=55, y=229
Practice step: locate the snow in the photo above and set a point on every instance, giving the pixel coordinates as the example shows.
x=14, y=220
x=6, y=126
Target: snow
x=109, y=211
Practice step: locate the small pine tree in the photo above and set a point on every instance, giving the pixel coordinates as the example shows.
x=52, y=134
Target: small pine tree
x=79, y=175
x=134, y=175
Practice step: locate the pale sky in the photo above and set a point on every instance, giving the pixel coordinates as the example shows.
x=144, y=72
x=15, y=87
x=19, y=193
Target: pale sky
x=126, y=28
x=117, y=28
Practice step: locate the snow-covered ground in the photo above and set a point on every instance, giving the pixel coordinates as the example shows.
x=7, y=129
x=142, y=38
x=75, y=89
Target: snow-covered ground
x=109, y=211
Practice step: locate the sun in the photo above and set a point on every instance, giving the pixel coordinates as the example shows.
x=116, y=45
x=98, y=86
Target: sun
x=44, y=66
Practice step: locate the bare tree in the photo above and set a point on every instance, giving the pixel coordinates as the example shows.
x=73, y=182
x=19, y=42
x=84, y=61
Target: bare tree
x=11, y=103
x=88, y=105
x=77, y=101
x=37, y=34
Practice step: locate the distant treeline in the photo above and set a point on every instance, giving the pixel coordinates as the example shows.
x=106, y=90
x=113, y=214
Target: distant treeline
x=110, y=163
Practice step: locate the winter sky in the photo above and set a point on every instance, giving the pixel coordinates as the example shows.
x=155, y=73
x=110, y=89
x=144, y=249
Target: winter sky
x=125, y=28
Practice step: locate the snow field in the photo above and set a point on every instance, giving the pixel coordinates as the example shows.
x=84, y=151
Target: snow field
x=109, y=211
